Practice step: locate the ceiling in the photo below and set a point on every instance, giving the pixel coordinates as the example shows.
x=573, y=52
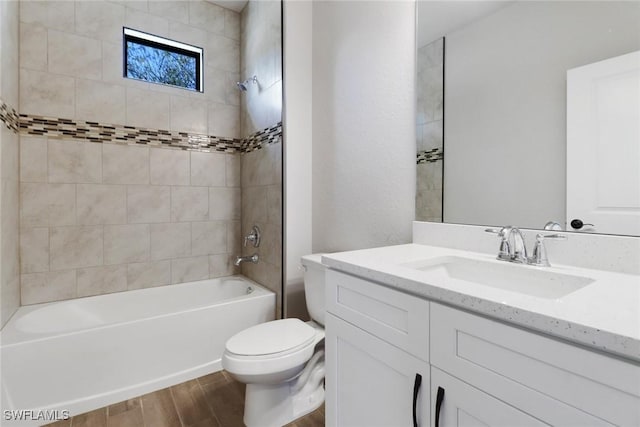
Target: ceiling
x=236, y=5
x=439, y=18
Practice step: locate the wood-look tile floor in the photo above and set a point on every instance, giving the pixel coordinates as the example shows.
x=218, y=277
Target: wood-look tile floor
x=215, y=400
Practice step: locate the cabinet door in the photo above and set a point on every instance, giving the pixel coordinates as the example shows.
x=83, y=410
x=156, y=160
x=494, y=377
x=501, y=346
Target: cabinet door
x=371, y=383
x=465, y=406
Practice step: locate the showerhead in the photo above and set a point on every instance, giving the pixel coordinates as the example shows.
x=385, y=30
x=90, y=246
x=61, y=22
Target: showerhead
x=243, y=86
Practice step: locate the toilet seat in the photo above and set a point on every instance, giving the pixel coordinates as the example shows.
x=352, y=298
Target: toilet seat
x=276, y=337
x=254, y=351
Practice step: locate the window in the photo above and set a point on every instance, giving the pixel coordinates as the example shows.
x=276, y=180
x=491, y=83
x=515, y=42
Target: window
x=159, y=60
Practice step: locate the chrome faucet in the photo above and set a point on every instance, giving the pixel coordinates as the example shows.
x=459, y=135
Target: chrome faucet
x=514, y=249
x=250, y=258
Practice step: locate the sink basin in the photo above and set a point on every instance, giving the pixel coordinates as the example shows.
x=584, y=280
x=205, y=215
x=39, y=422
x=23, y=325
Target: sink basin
x=511, y=277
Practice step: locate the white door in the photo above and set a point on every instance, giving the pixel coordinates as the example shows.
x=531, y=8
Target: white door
x=371, y=383
x=603, y=145
x=461, y=405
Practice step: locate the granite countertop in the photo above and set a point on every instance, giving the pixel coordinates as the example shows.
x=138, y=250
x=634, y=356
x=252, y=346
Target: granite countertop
x=604, y=315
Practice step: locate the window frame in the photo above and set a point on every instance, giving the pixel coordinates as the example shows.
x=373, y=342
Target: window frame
x=162, y=43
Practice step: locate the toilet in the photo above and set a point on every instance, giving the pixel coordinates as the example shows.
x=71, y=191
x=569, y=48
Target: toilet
x=282, y=362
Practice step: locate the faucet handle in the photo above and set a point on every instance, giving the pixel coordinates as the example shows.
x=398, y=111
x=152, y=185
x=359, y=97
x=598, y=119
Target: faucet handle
x=539, y=257
x=505, y=249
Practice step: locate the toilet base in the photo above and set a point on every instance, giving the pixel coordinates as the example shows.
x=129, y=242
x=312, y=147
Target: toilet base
x=273, y=405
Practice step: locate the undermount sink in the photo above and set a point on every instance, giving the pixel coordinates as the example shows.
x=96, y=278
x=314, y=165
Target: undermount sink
x=503, y=275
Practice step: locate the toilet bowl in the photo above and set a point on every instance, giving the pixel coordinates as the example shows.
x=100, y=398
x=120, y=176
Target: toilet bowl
x=282, y=362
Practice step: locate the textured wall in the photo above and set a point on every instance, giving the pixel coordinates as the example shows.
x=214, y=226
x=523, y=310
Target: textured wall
x=261, y=53
x=98, y=218
x=9, y=149
x=363, y=124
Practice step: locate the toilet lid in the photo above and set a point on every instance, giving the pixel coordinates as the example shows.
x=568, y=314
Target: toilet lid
x=271, y=337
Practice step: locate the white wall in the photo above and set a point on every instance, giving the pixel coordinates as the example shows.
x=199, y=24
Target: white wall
x=297, y=149
x=505, y=105
x=363, y=123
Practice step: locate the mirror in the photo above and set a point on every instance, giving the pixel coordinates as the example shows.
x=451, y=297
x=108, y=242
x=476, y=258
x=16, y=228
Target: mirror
x=494, y=137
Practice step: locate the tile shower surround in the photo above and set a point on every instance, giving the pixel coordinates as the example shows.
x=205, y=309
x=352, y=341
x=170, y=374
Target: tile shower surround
x=100, y=218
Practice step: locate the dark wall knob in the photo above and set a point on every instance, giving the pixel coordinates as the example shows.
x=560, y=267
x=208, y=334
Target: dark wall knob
x=577, y=224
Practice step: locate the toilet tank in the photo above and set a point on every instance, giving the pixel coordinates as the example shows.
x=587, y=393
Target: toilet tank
x=314, y=273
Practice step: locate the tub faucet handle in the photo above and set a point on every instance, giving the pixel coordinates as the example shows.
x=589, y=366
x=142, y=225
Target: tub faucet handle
x=253, y=237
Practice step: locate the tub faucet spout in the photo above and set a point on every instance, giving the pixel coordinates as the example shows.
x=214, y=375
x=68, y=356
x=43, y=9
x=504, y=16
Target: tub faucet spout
x=250, y=258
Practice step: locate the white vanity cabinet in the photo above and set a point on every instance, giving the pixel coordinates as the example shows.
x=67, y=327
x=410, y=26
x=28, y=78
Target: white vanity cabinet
x=490, y=373
x=376, y=355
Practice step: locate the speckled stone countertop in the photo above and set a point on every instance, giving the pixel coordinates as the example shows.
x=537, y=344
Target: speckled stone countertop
x=604, y=315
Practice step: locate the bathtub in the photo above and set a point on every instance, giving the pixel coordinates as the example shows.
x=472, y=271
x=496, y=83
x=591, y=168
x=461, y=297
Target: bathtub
x=86, y=353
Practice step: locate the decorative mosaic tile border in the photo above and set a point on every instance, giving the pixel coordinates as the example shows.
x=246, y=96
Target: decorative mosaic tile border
x=429, y=156
x=9, y=116
x=256, y=141
x=53, y=127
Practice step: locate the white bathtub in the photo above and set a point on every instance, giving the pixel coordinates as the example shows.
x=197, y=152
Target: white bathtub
x=87, y=353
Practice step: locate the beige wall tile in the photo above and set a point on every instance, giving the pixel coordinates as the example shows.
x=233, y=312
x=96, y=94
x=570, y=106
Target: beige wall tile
x=186, y=33
x=188, y=115
x=207, y=16
x=274, y=204
x=224, y=203
x=254, y=206
x=170, y=240
x=232, y=24
x=10, y=157
x=174, y=10
x=189, y=269
x=148, y=109
x=234, y=237
x=101, y=204
x=126, y=243
x=224, y=120
x=46, y=94
x=33, y=159
x=271, y=244
x=144, y=21
x=44, y=287
x=125, y=164
x=58, y=15
x=47, y=204
x=224, y=54
x=74, y=162
x=75, y=247
x=101, y=280
x=189, y=203
x=34, y=250
x=208, y=169
x=148, y=274
x=100, y=102
x=74, y=55
x=221, y=265
x=169, y=167
x=208, y=238
x=147, y=204
x=233, y=170
x=100, y=20
x=220, y=86
x=258, y=167
x=33, y=46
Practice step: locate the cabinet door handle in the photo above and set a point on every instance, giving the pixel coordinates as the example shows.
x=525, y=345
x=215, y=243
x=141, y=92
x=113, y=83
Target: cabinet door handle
x=439, y=399
x=416, y=389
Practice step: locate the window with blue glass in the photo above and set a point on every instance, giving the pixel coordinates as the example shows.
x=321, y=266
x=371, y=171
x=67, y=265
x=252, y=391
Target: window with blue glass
x=158, y=60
